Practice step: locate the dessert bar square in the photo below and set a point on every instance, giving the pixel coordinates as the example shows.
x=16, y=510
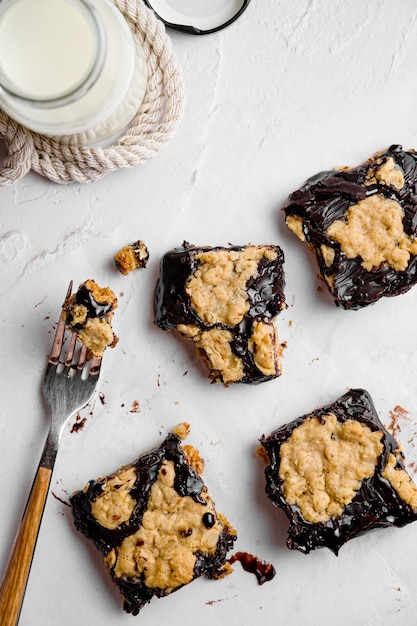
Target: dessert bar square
x=336, y=473
x=155, y=523
x=226, y=301
x=361, y=224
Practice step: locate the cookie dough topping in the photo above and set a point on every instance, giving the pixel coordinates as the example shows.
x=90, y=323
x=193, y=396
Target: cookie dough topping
x=373, y=230
x=115, y=505
x=386, y=172
x=324, y=462
x=217, y=288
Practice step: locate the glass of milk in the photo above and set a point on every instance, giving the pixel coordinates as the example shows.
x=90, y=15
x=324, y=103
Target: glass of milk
x=69, y=68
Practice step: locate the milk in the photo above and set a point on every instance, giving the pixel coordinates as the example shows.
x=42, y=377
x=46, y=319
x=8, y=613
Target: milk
x=47, y=47
x=69, y=68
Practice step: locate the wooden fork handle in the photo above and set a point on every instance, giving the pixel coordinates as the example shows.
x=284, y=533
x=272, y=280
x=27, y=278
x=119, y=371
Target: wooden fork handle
x=15, y=578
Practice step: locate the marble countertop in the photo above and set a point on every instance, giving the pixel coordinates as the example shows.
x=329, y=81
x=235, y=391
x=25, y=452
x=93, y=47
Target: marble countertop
x=288, y=90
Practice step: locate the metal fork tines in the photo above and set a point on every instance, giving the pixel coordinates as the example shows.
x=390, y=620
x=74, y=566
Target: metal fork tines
x=69, y=384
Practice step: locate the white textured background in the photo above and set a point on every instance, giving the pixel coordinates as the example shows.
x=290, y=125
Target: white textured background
x=290, y=89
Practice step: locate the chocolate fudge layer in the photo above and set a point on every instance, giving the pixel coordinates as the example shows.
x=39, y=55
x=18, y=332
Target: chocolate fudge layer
x=226, y=300
x=89, y=312
x=336, y=473
x=361, y=223
x=155, y=523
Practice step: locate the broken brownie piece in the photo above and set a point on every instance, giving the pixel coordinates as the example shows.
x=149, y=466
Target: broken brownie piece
x=131, y=257
x=361, y=223
x=226, y=300
x=89, y=312
x=155, y=523
x=336, y=473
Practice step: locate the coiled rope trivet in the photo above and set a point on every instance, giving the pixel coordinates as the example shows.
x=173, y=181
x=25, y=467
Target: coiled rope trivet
x=151, y=128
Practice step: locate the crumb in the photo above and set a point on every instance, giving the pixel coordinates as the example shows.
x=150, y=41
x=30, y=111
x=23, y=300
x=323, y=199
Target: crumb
x=132, y=257
x=78, y=424
x=182, y=430
x=396, y=415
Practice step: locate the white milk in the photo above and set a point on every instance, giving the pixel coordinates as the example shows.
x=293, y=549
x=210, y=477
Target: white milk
x=39, y=55
x=69, y=68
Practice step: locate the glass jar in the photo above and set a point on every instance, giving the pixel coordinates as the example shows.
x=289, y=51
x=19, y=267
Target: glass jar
x=69, y=68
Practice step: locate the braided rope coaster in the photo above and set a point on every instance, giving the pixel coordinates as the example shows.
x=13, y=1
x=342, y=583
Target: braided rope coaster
x=153, y=125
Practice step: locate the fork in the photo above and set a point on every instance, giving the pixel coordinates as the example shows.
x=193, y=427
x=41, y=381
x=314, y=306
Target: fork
x=68, y=385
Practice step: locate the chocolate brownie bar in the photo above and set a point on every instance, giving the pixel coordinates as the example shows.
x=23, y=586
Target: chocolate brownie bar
x=226, y=300
x=89, y=312
x=361, y=223
x=336, y=473
x=155, y=523
x=131, y=257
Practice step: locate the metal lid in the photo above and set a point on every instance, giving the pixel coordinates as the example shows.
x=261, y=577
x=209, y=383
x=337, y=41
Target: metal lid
x=197, y=17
